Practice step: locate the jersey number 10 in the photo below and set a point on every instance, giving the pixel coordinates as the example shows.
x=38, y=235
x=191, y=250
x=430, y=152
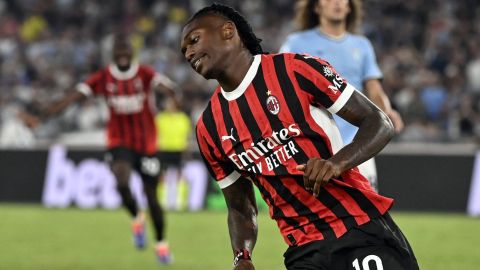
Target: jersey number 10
x=366, y=261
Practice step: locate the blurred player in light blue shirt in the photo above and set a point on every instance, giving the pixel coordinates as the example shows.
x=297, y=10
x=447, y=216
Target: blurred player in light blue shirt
x=326, y=31
x=351, y=55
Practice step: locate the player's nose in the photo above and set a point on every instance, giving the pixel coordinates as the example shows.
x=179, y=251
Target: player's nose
x=189, y=54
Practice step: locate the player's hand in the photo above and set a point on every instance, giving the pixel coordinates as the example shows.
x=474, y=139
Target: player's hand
x=396, y=120
x=30, y=120
x=244, y=265
x=317, y=172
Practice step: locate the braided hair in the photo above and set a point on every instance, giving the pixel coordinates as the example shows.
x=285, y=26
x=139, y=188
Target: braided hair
x=249, y=39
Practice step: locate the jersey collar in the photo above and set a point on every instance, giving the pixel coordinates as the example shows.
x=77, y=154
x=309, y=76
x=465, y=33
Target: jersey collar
x=123, y=75
x=252, y=71
x=331, y=37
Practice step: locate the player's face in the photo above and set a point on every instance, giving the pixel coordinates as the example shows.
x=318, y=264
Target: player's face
x=203, y=46
x=122, y=55
x=333, y=10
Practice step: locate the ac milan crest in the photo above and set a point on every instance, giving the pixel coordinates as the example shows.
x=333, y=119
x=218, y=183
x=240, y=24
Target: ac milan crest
x=273, y=105
x=111, y=87
x=138, y=85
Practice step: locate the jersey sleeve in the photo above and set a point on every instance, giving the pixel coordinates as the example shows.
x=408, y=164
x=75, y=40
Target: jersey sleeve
x=155, y=78
x=370, y=65
x=92, y=85
x=221, y=169
x=323, y=85
x=147, y=73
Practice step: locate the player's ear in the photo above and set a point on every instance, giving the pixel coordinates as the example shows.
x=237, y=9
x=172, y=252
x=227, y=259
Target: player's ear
x=228, y=30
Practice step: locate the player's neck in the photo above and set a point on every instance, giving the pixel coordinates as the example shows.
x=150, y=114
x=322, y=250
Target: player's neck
x=333, y=30
x=123, y=68
x=238, y=66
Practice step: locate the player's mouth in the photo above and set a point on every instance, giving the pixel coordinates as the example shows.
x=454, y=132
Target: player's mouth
x=123, y=63
x=338, y=10
x=197, y=62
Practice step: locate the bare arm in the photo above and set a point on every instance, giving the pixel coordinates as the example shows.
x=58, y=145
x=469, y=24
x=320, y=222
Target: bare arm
x=169, y=88
x=374, y=91
x=375, y=131
x=242, y=218
x=73, y=96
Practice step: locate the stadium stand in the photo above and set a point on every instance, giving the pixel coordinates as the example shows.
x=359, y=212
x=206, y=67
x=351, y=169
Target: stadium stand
x=429, y=55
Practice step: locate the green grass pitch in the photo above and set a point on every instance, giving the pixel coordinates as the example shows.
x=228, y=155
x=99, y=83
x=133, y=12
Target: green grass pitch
x=32, y=237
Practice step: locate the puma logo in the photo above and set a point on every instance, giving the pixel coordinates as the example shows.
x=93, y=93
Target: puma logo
x=229, y=137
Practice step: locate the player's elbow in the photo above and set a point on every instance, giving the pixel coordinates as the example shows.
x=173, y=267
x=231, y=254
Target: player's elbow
x=386, y=128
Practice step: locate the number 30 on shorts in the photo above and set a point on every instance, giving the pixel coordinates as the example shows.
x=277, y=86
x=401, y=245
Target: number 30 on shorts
x=366, y=263
x=150, y=166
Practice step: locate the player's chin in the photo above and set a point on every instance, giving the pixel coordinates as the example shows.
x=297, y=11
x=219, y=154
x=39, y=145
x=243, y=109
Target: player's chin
x=123, y=66
x=208, y=74
x=199, y=71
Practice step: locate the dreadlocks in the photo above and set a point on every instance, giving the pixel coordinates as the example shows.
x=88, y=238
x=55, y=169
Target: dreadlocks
x=249, y=39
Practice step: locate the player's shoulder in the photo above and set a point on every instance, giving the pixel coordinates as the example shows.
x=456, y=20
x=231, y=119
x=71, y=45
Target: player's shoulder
x=301, y=36
x=98, y=74
x=270, y=57
x=298, y=61
x=359, y=39
x=208, y=113
x=287, y=55
x=143, y=68
x=297, y=41
x=204, y=116
x=302, y=58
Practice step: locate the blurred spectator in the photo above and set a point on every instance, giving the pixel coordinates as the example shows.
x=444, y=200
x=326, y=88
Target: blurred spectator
x=15, y=129
x=429, y=55
x=473, y=71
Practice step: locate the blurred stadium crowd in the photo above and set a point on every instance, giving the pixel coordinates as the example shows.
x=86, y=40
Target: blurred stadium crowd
x=429, y=53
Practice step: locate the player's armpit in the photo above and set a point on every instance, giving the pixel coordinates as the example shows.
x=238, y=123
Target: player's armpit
x=242, y=214
x=361, y=112
x=375, y=131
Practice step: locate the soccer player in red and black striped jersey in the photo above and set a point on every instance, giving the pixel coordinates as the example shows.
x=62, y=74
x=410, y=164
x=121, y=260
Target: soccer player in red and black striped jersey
x=270, y=123
x=131, y=134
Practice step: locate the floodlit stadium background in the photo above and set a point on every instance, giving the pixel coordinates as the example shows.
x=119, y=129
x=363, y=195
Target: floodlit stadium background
x=428, y=51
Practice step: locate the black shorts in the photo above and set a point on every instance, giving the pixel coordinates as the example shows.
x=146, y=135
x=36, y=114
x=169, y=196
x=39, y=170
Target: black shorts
x=376, y=245
x=170, y=159
x=148, y=166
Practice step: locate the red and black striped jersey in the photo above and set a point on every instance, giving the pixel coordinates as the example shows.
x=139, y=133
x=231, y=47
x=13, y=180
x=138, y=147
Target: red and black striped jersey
x=278, y=117
x=131, y=105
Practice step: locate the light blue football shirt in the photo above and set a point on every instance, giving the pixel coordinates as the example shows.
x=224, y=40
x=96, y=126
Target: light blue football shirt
x=352, y=56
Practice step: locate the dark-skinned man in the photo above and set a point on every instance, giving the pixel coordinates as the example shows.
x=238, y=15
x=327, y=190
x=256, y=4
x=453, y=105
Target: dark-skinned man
x=269, y=123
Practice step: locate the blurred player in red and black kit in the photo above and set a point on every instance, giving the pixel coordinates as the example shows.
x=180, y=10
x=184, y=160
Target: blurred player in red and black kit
x=127, y=87
x=270, y=122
